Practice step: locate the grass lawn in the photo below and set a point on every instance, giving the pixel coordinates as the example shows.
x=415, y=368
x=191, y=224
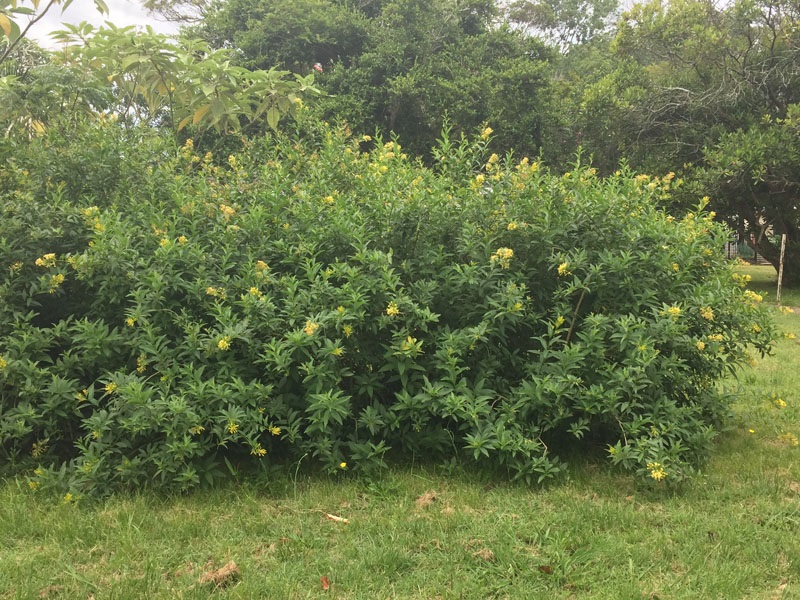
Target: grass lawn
x=418, y=532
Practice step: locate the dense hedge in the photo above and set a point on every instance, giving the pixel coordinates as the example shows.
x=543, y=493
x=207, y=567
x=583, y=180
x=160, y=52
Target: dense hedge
x=165, y=313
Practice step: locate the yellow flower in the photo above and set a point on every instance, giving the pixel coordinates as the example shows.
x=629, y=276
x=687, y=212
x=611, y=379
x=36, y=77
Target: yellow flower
x=366, y=138
x=227, y=211
x=559, y=321
x=258, y=451
x=224, y=343
x=328, y=200
x=197, y=430
x=338, y=351
x=275, y=430
x=111, y=387
x=392, y=310
x=563, y=269
x=756, y=328
x=716, y=337
x=707, y=313
x=48, y=260
x=503, y=256
x=674, y=311
x=512, y=226
x=789, y=336
x=15, y=267
x=130, y=321
x=486, y=133
x=55, y=281
x=347, y=330
x=657, y=472
x=343, y=465
x=493, y=159
x=182, y=239
x=141, y=363
x=3, y=363
x=254, y=291
x=480, y=178
x=232, y=161
x=261, y=266
x=67, y=498
x=163, y=242
x=701, y=345
x=232, y=427
x=779, y=403
x=675, y=267
x=311, y=327
x=752, y=296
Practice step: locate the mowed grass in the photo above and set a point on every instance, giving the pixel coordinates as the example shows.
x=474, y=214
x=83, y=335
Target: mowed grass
x=421, y=532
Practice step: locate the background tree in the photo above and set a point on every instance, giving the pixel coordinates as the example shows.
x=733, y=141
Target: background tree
x=402, y=66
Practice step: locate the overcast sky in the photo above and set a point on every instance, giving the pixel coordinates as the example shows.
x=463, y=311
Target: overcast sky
x=120, y=13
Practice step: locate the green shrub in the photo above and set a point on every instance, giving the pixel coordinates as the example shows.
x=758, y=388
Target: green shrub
x=328, y=297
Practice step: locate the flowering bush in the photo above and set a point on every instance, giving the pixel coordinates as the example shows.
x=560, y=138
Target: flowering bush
x=329, y=297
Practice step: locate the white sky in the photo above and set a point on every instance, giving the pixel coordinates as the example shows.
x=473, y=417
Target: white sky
x=120, y=12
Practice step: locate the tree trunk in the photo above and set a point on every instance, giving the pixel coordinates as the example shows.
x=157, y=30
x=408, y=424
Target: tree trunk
x=772, y=253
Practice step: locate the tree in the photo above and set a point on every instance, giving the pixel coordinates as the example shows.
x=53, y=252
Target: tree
x=402, y=66
x=145, y=79
x=754, y=178
x=564, y=23
x=11, y=12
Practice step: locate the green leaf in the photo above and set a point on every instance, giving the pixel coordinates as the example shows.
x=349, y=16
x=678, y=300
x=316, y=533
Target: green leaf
x=273, y=116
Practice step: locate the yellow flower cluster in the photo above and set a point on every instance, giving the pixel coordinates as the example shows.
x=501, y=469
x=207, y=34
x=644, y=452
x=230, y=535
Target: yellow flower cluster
x=512, y=226
x=486, y=133
x=347, y=330
x=55, y=281
x=752, y=296
x=232, y=427
x=701, y=345
x=227, y=211
x=563, y=269
x=715, y=337
x=3, y=363
x=311, y=327
x=673, y=311
x=141, y=363
x=258, y=451
x=48, y=260
x=197, y=430
x=789, y=438
x=657, y=472
x=503, y=257
x=224, y=343
x=779, y=403
x=707, y=313
x=275, y=430
x=111, y=387
x=392, y=309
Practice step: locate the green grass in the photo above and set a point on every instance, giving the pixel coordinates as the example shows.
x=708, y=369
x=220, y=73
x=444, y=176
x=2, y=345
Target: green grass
x=765, y=282
x=730, y=533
